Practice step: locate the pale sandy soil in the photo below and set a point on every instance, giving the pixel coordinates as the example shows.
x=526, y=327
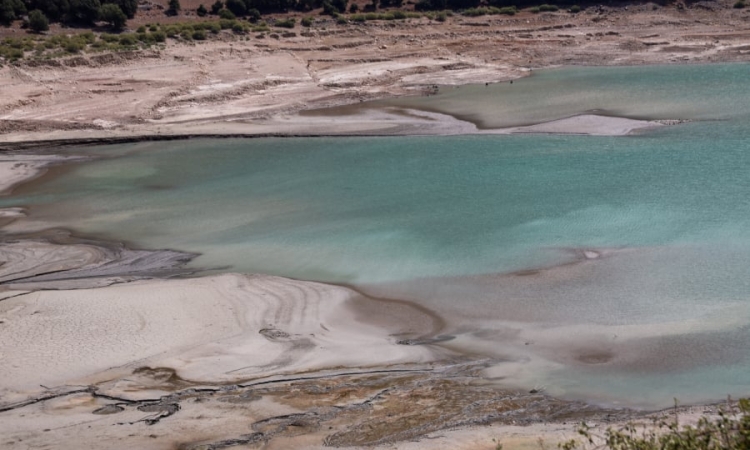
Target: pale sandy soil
x=257, y=86
x=98, y=354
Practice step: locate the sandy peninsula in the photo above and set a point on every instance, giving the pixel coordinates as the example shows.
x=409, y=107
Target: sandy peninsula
x=108, y=347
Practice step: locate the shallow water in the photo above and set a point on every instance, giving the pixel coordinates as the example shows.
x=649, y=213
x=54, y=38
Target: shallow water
x=446, y=221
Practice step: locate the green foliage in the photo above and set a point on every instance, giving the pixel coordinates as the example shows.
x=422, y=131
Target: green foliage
x=38, y=22
x=288, y=23
x=10, y=10
x=128, y=40
x=201, y=11
x=199, y=35
x=237, y=7
x=174, y=7
x=475, y=12
x=216, y=7
x=441, y=16
x=213, y=27
x=226, y=24
x=307, y=22
x=239, y=28
x=159, y=36
x=113, y=15
x=128, y=7
x=227, y=14
x=548, y=8
x=253, y=15
x=730, y=431
x=574, y=9
x=85, y=11
x=431, y=5
x=739, y=4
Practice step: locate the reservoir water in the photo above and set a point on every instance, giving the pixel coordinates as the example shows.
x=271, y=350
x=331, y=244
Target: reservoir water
x=461, y=224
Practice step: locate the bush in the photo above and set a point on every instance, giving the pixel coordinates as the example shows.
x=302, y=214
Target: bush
x=288, y=23
x=226, y=14
x=238, y=28
x=216, y=7
x=253, y=15
x=213, y=27
x=159, y=36
x=38, y=22
x=353, y=8
x=548, y=8
x=199, y=35
x=237, y=7
x=201, y=11
x=307, y=22
x=731, y=431
x=739, y=4
x=174, y=8
x=574, y=9
x=73, y=46
x=128, y=40
x=113, y=15
x=441, y=16
x=226, y=24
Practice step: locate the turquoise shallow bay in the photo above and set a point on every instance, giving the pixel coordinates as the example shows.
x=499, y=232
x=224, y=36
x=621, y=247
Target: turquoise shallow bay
x=400, y=213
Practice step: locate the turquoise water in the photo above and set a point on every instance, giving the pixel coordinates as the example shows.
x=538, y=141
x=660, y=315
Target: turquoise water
x=418, y=217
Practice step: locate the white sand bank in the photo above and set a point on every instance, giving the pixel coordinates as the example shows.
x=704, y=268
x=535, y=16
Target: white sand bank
x=589, y=124
x=227, y=327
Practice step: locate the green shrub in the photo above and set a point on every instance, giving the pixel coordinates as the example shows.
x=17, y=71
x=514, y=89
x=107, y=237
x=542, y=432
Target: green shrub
x=399, y=15
x=226, y=24
x=201, y=11
x=38, y=22
x=253, y=15
x=307, y=21
x=574, y=9
x=534, y=9
x=199, y=35
x=730, y=431
x=441, y=16
x=213, y=27
x=548, y=8
x=152, y=28
x=128, y=40
x=73, y=46
x=288, y=23
x=159, y=36
x=238, y=28
x=113, y=15
x=141, y=29
x=172, y=31
x=226, y=14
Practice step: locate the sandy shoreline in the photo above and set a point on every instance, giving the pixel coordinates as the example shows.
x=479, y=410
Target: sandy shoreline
x=102, y=351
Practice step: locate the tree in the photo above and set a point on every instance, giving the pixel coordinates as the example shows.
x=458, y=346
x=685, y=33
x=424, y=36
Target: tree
x=55, y=10
x=237, y=7
x=113, y=15
x=216, y=7
x=174, y=8
x=38, y=22
x=129, y=7
x=86, y=11
x=201, y=11
x=11, y=10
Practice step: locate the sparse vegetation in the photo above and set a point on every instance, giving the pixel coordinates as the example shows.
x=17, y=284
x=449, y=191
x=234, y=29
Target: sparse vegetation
x=730, y=431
